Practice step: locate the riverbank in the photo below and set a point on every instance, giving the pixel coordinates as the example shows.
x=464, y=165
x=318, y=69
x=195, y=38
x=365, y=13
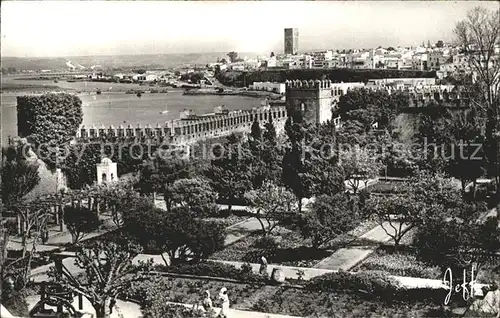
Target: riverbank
x=211, y=91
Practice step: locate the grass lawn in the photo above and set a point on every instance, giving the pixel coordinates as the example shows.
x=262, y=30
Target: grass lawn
x=291, y=250
x=229, y=220
x=352, y=236
x=400, y=264
x=387, y=187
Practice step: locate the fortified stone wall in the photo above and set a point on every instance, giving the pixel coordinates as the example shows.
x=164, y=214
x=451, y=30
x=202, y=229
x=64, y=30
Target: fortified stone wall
x=189, y=129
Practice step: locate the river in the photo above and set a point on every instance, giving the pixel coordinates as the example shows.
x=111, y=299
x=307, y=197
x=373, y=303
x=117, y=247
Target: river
x=115, y=108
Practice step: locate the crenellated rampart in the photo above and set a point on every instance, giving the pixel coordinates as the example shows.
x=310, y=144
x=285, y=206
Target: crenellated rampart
x=189, y=128
x=308, y=84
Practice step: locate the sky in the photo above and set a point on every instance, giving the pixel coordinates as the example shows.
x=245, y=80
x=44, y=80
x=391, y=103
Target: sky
x=64, y=28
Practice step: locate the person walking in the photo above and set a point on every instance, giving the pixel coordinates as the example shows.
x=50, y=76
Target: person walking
x=207, y=301
x=263, y=266
x=224, y=299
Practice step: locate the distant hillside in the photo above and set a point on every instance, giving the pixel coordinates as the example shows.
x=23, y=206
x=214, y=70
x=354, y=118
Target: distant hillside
x=116, y=61
x=21, y=63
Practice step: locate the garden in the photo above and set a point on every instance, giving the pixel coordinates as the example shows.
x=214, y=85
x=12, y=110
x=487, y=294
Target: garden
x=331, y=295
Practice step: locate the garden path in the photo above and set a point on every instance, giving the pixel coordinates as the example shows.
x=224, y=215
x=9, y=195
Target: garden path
x=56, y=237
x=347, y=257
x=235, y=233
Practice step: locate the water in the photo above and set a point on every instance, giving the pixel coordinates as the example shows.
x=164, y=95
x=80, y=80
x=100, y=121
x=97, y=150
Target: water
x=115, y=108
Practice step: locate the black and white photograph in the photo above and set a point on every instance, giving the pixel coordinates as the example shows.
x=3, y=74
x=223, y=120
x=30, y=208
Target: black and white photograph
x=250, y=159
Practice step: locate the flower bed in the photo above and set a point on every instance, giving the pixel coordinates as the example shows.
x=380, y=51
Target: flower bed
x=189, y=291
x=340, y=294
x=290, y=249
x=306, y=303
x=345, y=294
x=399, y=264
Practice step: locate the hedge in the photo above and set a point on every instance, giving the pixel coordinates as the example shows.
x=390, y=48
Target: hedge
x=49, y=120
x=379, y=286
x=213, y=269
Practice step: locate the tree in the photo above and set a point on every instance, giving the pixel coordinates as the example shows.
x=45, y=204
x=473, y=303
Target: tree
x=229, y=170
x=80, y=220
x=467, y=160
x=271, y=154
x=477, y=36
x=427, y=200
x=159, y=174
x=117, y=197
x=50, y=122
x=194, y=194
x=256, y=132
x=295, y=174
x=233, y=56
x=272, y=204
x=369, y=107
x=321, y=160
x=19, y=174
x=329, y=217
x=458, y=243
x=395, y=214
x=177, y=232
x=439, y=44
x=80, y=166
x=107, y=272
x=359, y=165
x=187, y=237
x=272, y=54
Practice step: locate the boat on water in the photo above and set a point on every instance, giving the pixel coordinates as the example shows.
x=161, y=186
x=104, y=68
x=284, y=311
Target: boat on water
x=165, y=111
x=70, y=81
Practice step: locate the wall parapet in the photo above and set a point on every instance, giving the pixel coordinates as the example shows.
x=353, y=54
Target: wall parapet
x=186, y=130
x=308, y=84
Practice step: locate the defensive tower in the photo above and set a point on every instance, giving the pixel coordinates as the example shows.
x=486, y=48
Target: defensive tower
x=313, y=98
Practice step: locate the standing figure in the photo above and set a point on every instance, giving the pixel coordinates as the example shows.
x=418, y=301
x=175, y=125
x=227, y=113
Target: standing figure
x=207, y=301
x=263, y=266
x=112, y=304
x=224, y=299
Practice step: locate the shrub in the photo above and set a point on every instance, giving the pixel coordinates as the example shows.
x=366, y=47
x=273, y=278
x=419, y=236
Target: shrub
x=376, y=285
x=216, y=269
x=16, y=304
x=266, y=242
x=80, y=220
x=368, y=283
x=401, y=265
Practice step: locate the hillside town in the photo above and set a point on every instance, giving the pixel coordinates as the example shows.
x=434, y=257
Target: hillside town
x=331, y=183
